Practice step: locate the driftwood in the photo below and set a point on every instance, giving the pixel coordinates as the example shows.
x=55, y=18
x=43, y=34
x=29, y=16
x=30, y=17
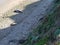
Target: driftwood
x=22, y=30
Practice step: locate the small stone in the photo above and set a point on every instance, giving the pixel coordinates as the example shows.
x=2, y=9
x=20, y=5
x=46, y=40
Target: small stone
x=18, y=11
x=13, y=24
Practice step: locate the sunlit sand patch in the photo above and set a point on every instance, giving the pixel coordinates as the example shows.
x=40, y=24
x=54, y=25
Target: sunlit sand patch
x=6, y=5
x=6, y=23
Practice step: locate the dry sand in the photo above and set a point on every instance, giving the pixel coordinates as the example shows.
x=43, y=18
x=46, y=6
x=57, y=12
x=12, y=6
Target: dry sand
x=6, y=5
